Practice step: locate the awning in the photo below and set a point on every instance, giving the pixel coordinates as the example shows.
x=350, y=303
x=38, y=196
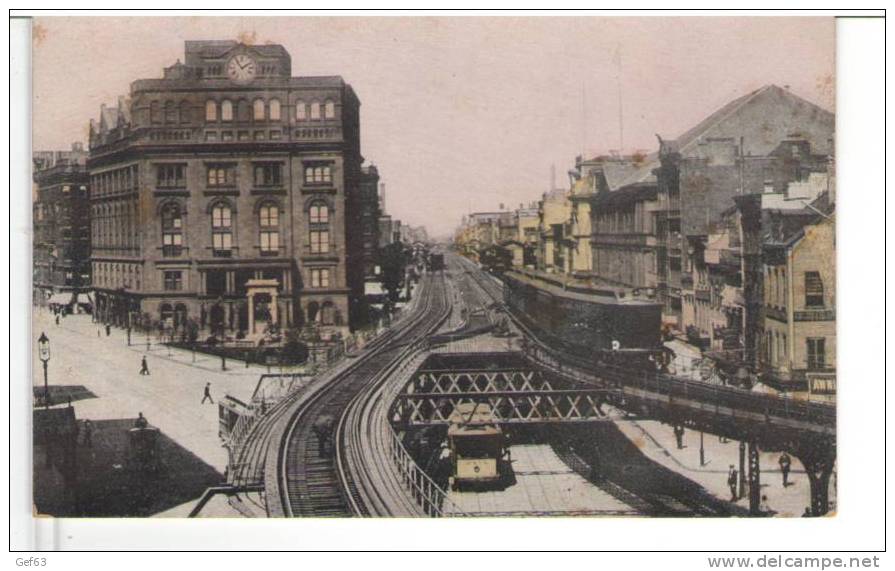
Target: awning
x=84, y=299
x=373, y=288
x=60, y=299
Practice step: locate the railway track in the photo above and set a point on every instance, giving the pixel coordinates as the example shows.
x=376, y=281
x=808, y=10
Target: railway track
x=314, y=481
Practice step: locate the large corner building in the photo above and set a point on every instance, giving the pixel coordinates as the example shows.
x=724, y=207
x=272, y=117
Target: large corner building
x=220, y=194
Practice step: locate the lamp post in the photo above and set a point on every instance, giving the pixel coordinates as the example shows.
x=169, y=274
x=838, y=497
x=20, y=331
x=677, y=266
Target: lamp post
x=43, y=351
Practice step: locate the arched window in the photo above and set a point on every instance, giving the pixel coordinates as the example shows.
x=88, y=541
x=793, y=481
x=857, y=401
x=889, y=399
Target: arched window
x=269, y=223
x=172, y=230
x=222, y=229
x=184, y=112
x=166, y=314
x=301, y=110
x=330, y=110
x=170, y=112
x=327, y=313
x=319, y=213
x=274, y=109
x=211, y=110
x=180, y=315
x=155, y=115
x=258, y=110
x=226, y=110
x=315, y=110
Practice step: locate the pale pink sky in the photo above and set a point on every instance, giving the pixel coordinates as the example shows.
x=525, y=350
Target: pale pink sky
x=462, y=114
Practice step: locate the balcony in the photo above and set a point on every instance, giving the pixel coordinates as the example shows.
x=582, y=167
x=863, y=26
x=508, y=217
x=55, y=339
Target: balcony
x=703, y=294
x=775, y=313
x=819, y=314
x=624, y=239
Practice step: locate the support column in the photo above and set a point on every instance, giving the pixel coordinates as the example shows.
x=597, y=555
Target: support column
x=251, y=298
x=273, y=307
x=742, y=489
x=754, y=479
x=819, y=468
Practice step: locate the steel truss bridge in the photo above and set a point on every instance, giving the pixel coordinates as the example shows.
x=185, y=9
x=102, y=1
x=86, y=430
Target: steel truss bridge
x=538, y=386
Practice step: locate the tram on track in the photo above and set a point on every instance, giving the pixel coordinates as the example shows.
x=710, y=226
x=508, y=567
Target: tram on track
x=479, y=455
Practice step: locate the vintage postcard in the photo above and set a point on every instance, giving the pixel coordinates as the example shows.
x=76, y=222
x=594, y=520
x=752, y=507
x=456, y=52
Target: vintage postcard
x=434, y=267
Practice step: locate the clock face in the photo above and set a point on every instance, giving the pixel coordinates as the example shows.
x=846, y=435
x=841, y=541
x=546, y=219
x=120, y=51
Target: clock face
x=241, y=68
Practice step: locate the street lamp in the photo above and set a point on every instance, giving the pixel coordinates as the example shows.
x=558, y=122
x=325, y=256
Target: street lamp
x=43, y=352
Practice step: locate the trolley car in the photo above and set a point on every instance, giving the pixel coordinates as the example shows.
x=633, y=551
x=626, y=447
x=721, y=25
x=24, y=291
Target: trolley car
x=477, y=446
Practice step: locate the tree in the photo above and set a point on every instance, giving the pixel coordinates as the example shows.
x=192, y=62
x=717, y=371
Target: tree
x=393, y=260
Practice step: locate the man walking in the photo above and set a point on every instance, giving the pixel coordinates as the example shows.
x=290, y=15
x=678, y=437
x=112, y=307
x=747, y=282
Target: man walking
x=144, y=366
x=732, y=483
x=207, y=394
x=679, y=436
x=785, y=463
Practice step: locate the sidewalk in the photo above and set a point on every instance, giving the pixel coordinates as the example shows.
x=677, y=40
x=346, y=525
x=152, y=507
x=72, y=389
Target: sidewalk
x=169, y=397
x=656, y=440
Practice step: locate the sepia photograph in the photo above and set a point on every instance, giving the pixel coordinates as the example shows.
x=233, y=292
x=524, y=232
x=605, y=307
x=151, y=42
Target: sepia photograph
x=615, y=297
x=427, y=266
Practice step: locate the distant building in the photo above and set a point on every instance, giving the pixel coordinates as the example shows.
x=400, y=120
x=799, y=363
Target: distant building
x=735, y=151
x=61, y=216
x=623, y=238
x=554, y=239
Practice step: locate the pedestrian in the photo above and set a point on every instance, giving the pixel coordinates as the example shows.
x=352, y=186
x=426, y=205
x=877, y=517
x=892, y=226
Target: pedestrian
x=88, y=433
x=97, y=333
x=679, y=436
x=807, y=512
x=732, y=482
x=207, y=394
x=785, y=463
x=144, y=366
x=141, y=421
x=57, y=319
x=108, y=329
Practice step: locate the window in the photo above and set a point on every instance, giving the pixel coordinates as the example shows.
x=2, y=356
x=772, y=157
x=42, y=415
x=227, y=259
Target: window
x=227, y=136
x=155, y=115
x=274, y=109
x=319, y=241
x=170, y=175
x=227, y=110
x=817, y=353
x=221, y=230
x=172, y=230
x=814, y=290
x=301, y=110
x=221, y=175
x=211, y=110
x=330, y=110
x=258, y=110
x=184, y=112
x=315, y=110
x=319, y=213
x=170, y=112
x=173, y=280
x=318, y=174
x=269, y=221
x=216, y=282
x=320, y=278
x=269, y=174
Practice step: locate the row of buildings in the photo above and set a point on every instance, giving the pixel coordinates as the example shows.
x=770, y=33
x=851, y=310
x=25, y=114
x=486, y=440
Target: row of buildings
x=227, y=192
x=730, y=227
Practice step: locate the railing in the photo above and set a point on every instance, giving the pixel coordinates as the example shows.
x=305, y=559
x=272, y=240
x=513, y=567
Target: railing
x=814, y=315
x=431, y=497
x=819, y=417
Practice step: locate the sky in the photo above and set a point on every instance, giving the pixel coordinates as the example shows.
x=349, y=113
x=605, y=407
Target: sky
x=462, y=114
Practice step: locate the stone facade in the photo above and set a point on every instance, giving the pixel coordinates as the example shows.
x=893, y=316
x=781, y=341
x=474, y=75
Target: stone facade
x=227, y=170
